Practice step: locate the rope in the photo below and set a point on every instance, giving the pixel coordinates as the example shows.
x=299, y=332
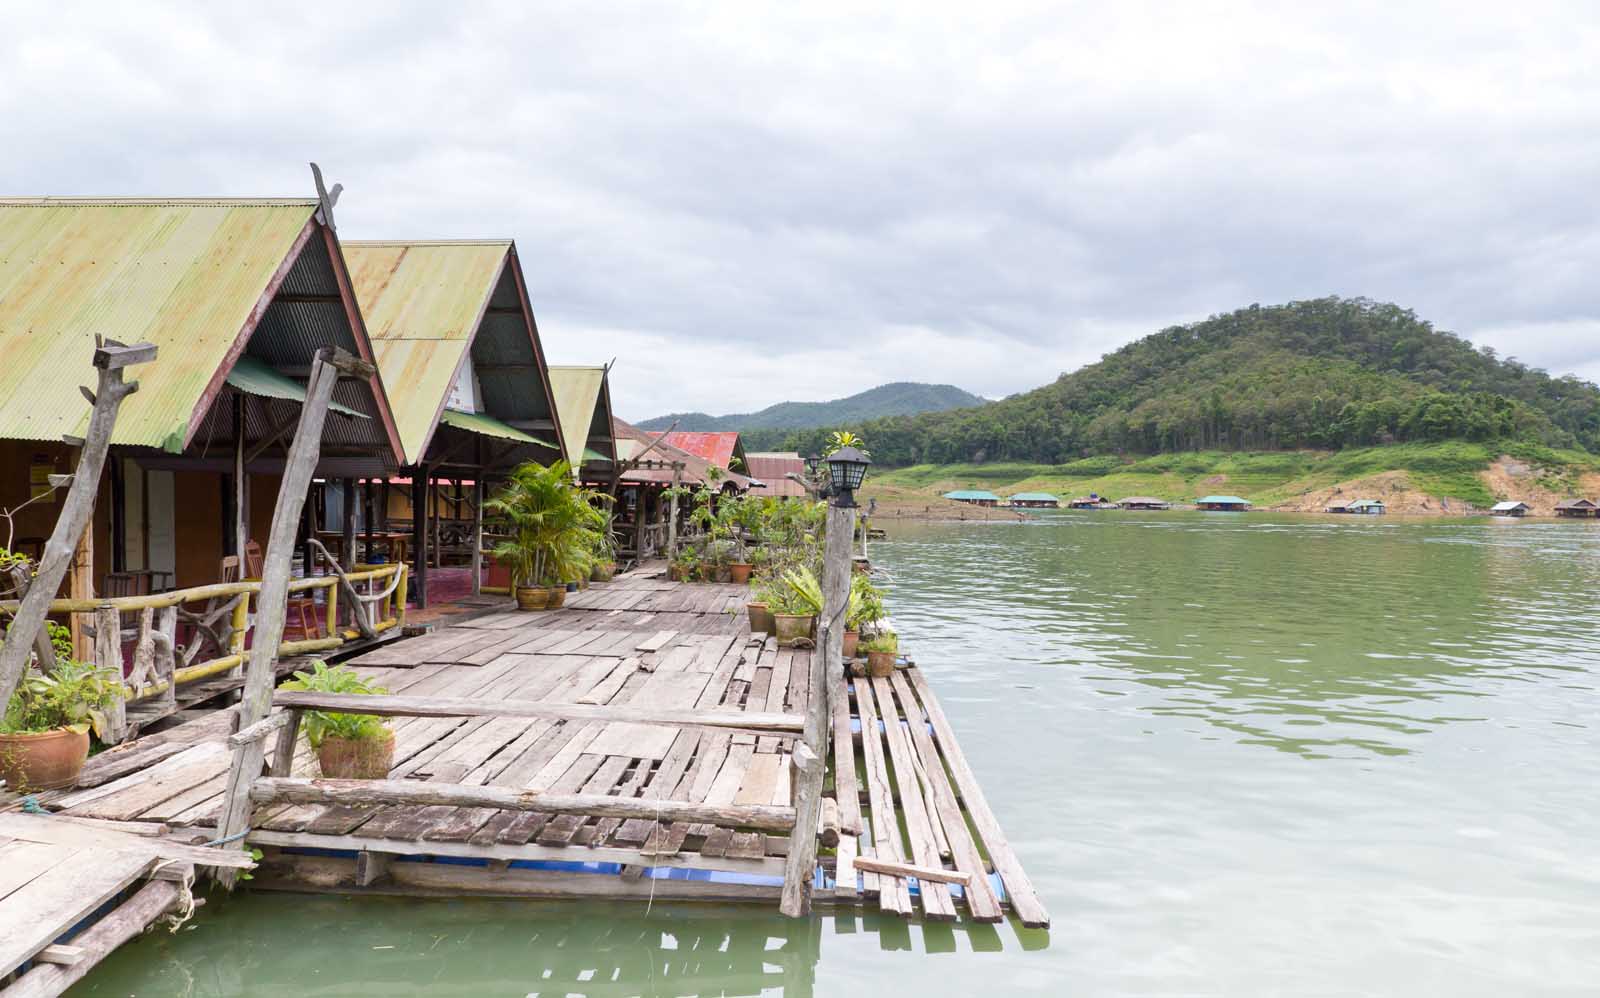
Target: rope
x=183, y=909
x=30, y=805
x=228, y=838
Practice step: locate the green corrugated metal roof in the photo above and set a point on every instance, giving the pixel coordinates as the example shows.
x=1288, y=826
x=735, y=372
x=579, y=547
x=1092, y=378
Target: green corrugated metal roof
x=254, y=377
x=593, y=455
x=421, y=302
x=1035, y=497
x=577, y=392
x=184, y=275
x=1228, y=499
x=971, y=494
x=477, y=422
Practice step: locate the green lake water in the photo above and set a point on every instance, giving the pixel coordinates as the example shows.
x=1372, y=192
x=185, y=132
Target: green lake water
x=1238, y=754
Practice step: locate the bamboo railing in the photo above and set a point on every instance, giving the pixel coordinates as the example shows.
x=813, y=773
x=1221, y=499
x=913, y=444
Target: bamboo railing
x=220, y=619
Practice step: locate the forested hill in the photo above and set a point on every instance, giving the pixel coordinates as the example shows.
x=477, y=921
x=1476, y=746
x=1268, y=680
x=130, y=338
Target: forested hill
x=1327, y=373
x=902, y=398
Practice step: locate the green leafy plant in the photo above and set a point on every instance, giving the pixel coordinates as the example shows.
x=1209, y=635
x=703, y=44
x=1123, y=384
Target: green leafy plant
x=555, y=526
x=70, y=695
x=887, y=642
x=866, y=603
x=339, y=679
x=840, y=439
x=799, y=594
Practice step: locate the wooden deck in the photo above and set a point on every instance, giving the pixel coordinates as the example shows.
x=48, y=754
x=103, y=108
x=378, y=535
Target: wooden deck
x=58, y=878
x=639, y=646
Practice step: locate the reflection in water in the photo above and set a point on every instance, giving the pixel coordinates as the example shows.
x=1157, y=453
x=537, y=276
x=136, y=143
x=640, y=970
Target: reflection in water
x=1318, y=637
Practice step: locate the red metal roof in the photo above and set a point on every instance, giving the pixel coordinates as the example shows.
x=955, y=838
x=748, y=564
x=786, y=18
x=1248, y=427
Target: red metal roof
x=718, y=448
x=694, y=472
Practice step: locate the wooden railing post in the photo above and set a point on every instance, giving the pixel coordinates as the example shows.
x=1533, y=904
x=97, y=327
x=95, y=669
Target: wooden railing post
x=826, y=680
x=274, y=593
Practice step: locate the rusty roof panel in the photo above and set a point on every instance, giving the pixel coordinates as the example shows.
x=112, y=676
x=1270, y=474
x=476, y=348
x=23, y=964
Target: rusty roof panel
x=718, y=448
x=422, y=303
x=183, y=274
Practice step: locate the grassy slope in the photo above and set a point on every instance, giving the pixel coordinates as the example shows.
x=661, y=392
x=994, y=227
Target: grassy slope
x=1450, y=469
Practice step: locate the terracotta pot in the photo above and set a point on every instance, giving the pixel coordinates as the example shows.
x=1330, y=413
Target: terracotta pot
x=532, y=597
x=880, y=664
x=49, y=760
x=761, y=621
x=603, y=572
x=793, y=629
x=558, y=597
x=739, y=573
x=356, y=758
x=851, y=639
x=675, y=573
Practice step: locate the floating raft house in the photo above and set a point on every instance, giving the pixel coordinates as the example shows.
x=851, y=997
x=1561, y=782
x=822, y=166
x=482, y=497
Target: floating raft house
x=1577, y=507
x=1231, y=504
x=974, y=497
x=1035, y=500
x=1144, y=502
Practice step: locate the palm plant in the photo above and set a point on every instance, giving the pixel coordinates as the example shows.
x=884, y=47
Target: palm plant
x=556, y=526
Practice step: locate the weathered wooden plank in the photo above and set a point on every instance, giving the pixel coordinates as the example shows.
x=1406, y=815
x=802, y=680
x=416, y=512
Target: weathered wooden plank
x=415, y=706
x=893, y=894
x=980, y=898
x=936, y=901
x=97, y=942
x=1024, y=901
x=38, y=911
x=938, y=875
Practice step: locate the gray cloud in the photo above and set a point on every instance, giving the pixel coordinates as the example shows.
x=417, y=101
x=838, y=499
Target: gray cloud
x=753, y=202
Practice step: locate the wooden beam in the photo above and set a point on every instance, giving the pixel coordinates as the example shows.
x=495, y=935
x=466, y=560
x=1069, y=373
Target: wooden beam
x=76, y=509
x=893, y=869
x=418, y=793
x=430, y=706
x=261, y=729
x=272, y=603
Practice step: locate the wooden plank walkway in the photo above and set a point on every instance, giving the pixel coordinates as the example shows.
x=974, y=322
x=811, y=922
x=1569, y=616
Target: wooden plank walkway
x=56, y=872
x=640, y=645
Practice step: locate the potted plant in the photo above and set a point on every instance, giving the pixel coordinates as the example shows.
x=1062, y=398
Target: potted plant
x=44, y=732
x=737, y=514
x=760, y=609
x=795, y=605
x=865, y=609
x=554, y=527
x=881, y=650
x=348, y=746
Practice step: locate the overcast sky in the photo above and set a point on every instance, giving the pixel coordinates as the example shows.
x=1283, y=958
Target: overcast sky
x=748, y=203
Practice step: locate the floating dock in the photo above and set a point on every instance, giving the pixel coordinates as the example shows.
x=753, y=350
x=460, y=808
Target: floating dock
x=639, y=743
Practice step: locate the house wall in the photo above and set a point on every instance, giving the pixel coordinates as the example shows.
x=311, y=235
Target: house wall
x=197, y=522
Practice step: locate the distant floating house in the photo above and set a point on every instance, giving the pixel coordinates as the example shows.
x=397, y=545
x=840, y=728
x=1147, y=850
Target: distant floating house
x=1035, y=500
x=974, y=497
x=1369, y=507
x=1091, y=501
x=1511, y=507
x=1144, y=502
x=1577, y=507
x=1229, y=504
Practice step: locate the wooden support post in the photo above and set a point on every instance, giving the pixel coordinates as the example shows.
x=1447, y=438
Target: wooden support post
x=672, y=510
x=81, y=586
x=419, y=531
x=108, y=656
x=241, y=488
x=347, y=546
x=368, y=513
x=283, y=748
x=257, y=702
x=76, y=511
x=826, y=680
x=477, y=534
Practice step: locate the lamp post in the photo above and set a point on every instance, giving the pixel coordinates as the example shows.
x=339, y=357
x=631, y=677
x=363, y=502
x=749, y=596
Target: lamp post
x=847, y=467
